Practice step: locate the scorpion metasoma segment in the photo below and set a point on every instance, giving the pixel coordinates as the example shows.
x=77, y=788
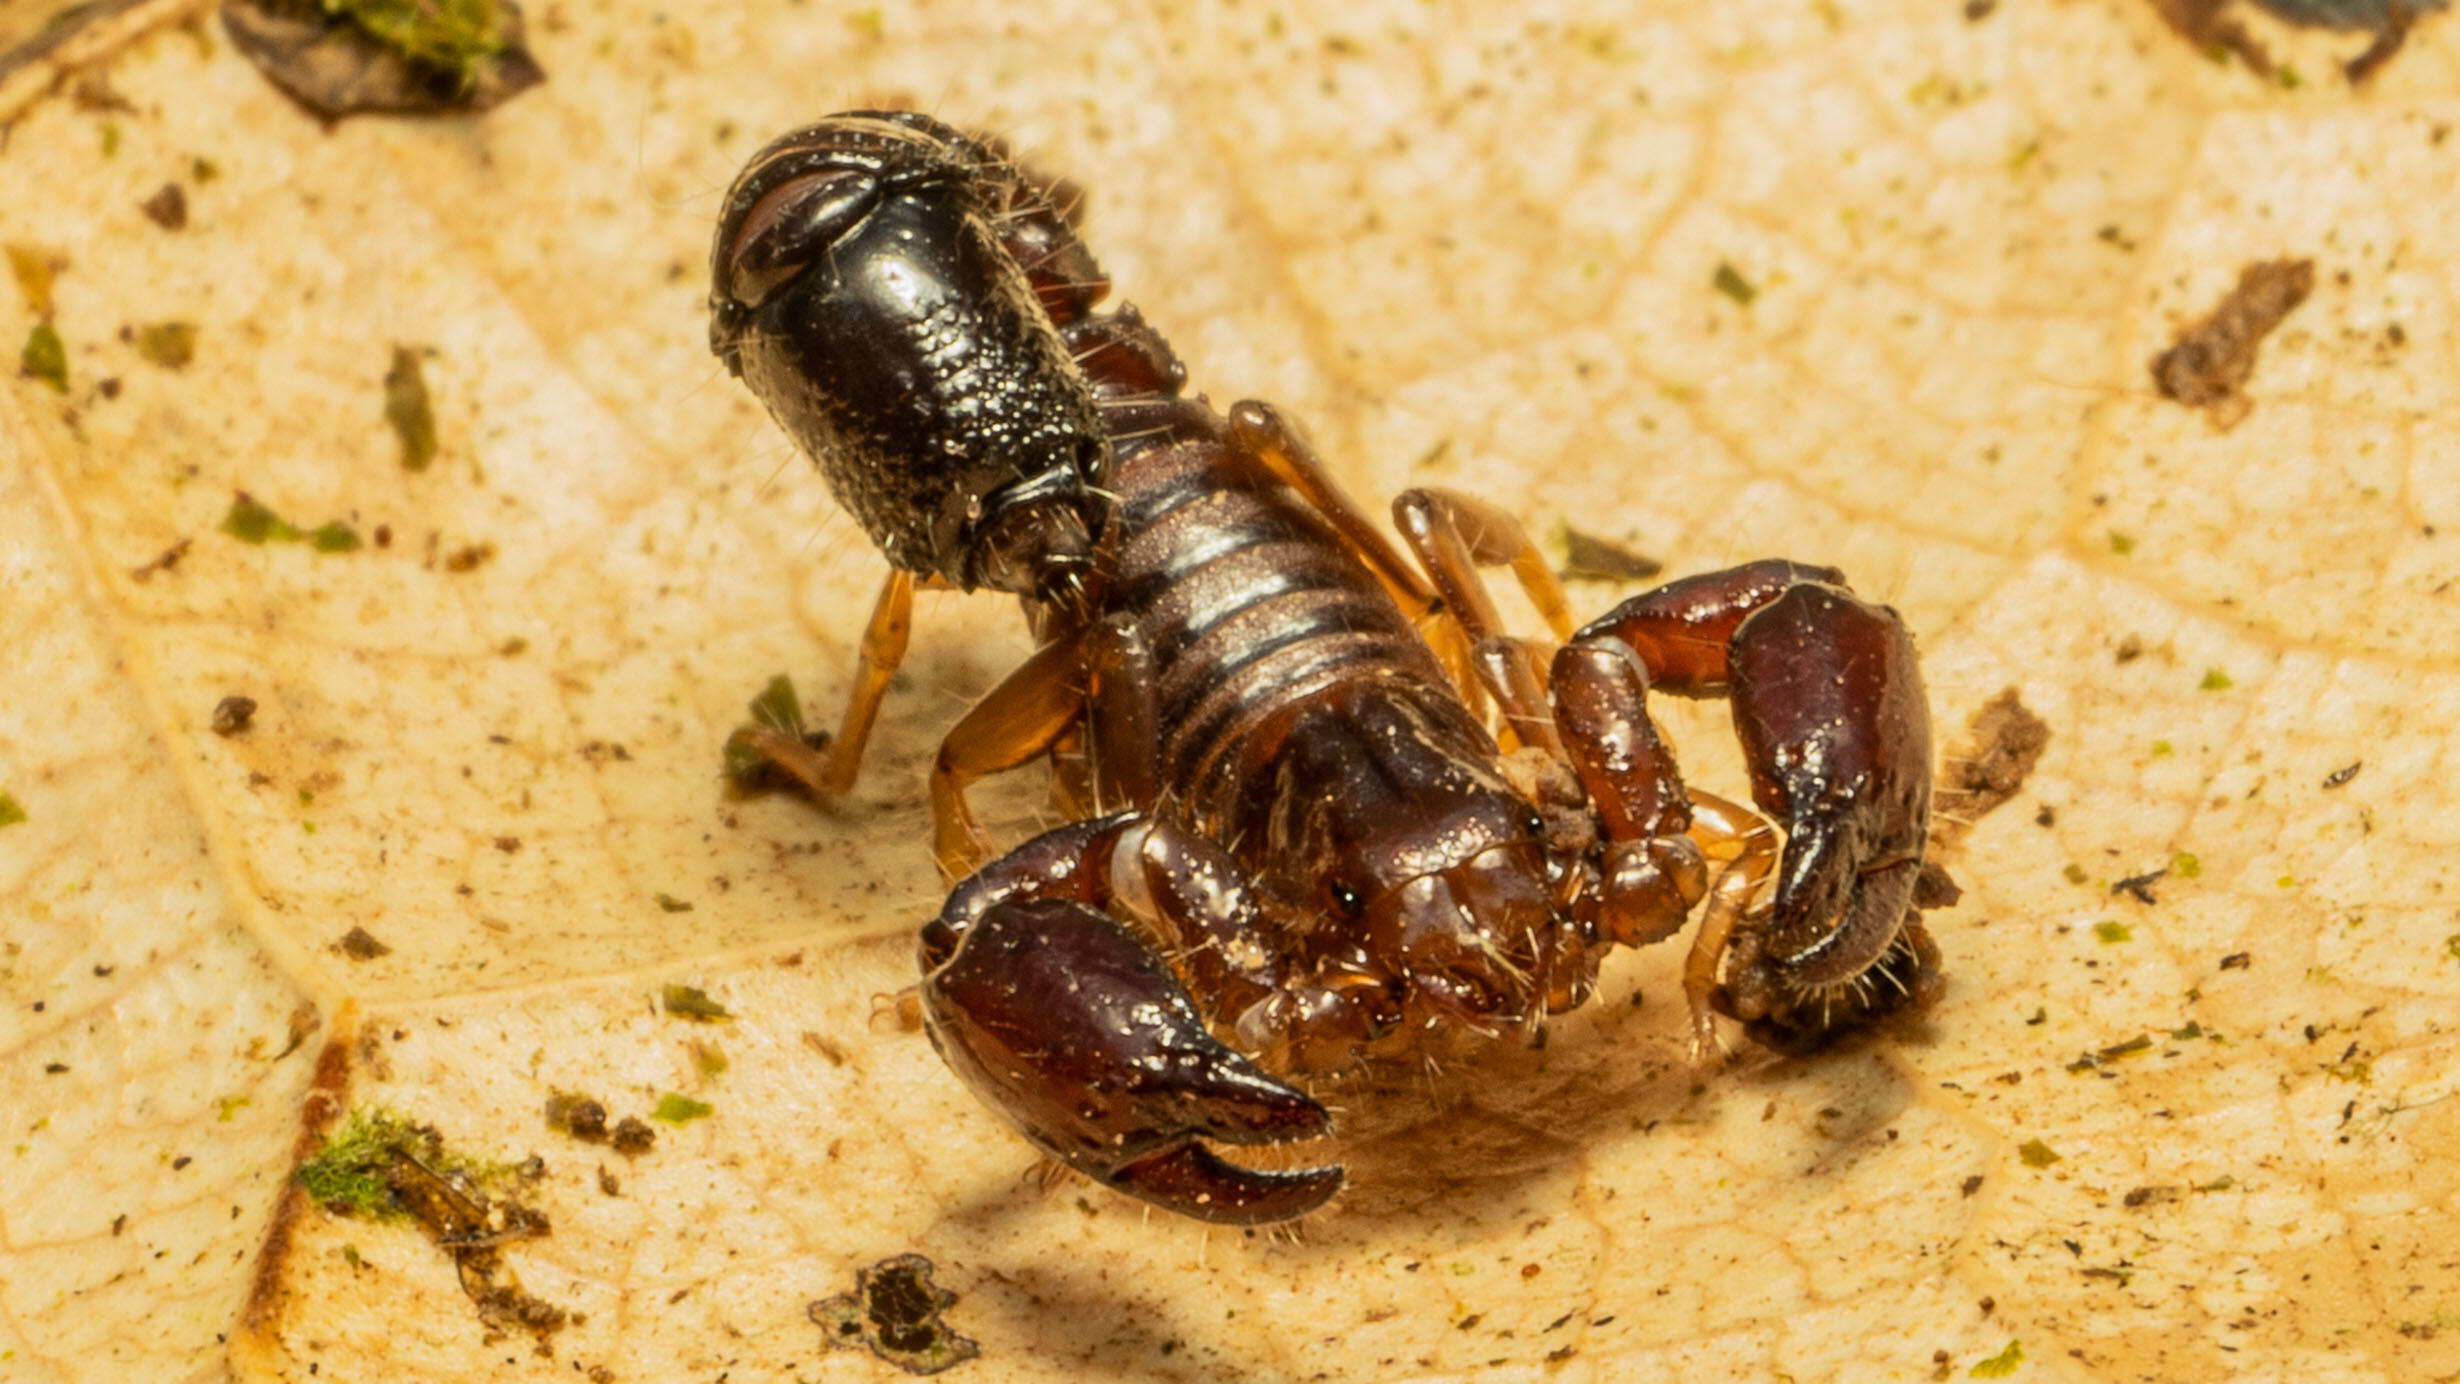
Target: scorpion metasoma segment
x=1322, y=802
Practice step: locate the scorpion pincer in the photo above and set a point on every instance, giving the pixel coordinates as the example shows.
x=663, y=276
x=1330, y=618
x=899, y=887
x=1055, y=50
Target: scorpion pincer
x=1326, y=792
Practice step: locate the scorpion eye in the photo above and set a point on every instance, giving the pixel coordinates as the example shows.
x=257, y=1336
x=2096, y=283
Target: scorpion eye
x=1347, y=900
x=791, y=225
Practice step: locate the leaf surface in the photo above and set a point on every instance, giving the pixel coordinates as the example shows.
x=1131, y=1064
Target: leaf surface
x=1869, y=284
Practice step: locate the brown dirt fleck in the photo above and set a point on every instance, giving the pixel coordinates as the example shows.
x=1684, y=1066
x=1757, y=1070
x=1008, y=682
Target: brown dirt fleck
x=2207, y=367
x=2004, y=740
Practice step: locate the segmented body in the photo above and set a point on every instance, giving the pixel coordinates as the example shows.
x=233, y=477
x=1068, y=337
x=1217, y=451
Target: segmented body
x=1254, y=611
x=1296, y=808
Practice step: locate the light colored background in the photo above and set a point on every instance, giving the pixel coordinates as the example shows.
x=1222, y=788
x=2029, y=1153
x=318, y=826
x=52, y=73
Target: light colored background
x=1467, y=248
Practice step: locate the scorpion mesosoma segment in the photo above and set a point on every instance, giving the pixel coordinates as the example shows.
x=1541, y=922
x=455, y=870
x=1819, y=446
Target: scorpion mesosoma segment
x=1327, y=802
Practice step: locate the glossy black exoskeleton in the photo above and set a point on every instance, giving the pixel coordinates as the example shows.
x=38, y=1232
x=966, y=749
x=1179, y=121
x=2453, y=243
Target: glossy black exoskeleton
x=893, y=291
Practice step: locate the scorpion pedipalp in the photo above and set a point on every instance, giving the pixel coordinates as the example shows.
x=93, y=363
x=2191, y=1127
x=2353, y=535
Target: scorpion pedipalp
x=1829, y=706
x=1073, y=1028
x=1835, y=727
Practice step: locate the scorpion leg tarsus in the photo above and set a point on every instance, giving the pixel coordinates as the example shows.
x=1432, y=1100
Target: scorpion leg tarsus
x=1074, y=1029
x=1829, y=705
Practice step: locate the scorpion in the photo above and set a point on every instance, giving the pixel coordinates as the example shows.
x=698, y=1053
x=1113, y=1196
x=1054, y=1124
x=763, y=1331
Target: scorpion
x=1322, y=802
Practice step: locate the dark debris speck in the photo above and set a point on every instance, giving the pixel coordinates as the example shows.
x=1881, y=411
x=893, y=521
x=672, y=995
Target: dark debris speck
x=632, y=1137
x=167, y=208
x=361, y=945
x=232, y=714
x=2140, y=887
x=2208, y=366
x=894, y=1312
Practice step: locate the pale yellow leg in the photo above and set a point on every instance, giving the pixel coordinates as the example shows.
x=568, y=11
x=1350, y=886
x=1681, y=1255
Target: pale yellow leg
x=1455, y=535
x=1017, y=722
x=883, y=648
x=1745, y=844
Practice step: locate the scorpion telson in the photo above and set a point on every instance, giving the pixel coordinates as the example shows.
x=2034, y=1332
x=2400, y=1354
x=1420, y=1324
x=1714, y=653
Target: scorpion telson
x=908, y=301
x=1324, y=803
x=867, y=284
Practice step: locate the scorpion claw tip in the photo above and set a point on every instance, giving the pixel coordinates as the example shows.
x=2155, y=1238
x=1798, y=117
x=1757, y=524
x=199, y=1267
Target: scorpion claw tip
x=1191, y=1180
x=1862, y=931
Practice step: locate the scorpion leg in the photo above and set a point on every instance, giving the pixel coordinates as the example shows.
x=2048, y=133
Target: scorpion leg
x=1829, y=706
x=1122, y=356
x=883, y=648
x=1076, y=1030
x=1744, y=845
x=1453, y=535
x=1037, y=227
x=1260, y=434
x=1127, y=736
x=1019, y=721
x=831, y=772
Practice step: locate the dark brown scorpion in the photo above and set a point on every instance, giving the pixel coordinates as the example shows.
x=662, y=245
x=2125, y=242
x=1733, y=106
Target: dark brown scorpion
x=1327, y=803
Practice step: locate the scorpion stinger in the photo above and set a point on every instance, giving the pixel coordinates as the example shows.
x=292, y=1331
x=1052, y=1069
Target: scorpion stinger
x=900, y=297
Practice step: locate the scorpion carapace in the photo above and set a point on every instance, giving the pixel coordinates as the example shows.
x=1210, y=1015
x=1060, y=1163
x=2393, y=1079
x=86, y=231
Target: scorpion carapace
x=1324, y=802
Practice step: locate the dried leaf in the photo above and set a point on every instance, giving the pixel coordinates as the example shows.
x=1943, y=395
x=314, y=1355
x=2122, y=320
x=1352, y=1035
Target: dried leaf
x=1404, y=226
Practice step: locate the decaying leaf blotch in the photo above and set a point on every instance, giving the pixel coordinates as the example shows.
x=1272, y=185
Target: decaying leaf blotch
x=167, y=208
x=2208, y=366
x=693, y=1003
x=384, y=1166
x=253, y=522
x=894, y=1312
x=170, y=345
x=773, y=752
x=44, y=357
x=396, y=57
x=36, y=271
x=676, y=1108
x=361, y=945
x=2003, y=742
x=408, y=409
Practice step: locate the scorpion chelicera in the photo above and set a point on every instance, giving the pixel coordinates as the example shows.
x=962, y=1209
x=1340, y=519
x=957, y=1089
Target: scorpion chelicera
x=1324, y=803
